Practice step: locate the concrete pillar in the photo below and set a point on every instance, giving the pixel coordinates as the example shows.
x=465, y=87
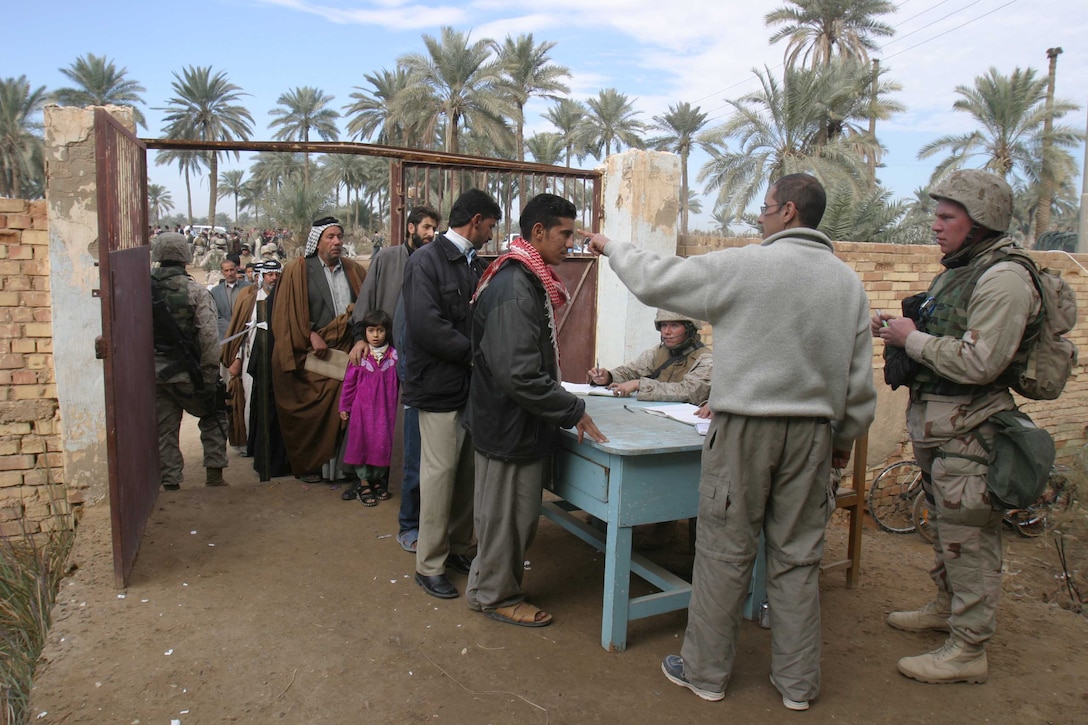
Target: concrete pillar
x=641, y=201
x=72, y=203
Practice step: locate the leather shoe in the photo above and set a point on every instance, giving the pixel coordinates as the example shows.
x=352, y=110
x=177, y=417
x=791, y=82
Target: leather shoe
x=437, y=586
x=460, y=563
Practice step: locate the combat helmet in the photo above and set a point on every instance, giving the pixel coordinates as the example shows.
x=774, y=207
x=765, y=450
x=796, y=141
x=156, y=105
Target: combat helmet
x=171, y=247
x=985, y=196
x=666, y=316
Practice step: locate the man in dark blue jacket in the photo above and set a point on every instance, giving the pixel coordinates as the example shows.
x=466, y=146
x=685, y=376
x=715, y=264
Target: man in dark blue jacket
x=439, y=280
x=517, y=405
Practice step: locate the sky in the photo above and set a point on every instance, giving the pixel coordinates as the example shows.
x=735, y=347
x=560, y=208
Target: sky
x=657, y=53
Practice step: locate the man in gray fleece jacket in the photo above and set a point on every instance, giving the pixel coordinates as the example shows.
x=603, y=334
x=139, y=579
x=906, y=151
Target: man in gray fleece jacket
x=789, y=395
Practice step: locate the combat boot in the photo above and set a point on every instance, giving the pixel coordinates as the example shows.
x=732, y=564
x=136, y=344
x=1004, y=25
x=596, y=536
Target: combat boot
x=956, y=661
x=215, y=477
x=933, y=615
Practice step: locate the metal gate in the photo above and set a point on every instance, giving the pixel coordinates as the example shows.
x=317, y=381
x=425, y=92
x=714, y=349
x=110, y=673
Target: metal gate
x=512, y=184
x=125, y=346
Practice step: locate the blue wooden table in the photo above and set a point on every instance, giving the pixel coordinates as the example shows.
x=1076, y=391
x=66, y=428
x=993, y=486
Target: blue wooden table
x=647, y=472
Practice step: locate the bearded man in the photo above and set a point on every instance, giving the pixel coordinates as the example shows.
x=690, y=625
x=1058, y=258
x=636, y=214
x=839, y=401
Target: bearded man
x=311, y=313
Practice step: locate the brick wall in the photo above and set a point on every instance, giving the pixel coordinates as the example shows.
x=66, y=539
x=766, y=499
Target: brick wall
x=892, y=272
x=29, y=413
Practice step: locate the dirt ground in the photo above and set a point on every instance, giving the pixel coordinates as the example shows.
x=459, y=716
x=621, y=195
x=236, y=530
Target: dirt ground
x=277, y=601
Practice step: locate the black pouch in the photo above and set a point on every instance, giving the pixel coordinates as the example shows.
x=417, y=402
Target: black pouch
x=899, y=368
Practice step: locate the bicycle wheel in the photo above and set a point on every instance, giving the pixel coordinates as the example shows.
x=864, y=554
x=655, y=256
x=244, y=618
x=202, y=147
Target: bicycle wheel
x=1040, y=517
x=891, y=496
x=920, y=515
x=1030, y=522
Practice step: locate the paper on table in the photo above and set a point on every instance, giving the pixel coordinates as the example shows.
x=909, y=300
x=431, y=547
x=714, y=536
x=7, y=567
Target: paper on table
x=586, y=389
x=681, y=412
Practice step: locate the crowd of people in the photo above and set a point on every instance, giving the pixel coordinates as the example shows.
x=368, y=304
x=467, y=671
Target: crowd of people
x=325, y=362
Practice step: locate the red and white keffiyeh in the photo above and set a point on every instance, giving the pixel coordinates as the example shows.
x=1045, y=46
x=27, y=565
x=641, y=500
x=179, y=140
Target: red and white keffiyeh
x=525, y=254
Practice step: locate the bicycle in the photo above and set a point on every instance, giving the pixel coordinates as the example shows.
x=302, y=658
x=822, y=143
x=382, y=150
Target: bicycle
x=1034, y=521
x=891, y=498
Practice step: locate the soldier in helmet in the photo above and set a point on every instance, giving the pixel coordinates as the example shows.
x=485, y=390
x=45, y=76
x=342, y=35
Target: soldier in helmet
x=186, y=335
x=677, y=370
x=970, y=324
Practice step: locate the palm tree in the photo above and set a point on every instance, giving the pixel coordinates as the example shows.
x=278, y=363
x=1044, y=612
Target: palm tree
x=865, y=217
x=372, y=114
x=275, y=168
x=253, y=197
x=346, y=170
x=21, y=159
x=612, y=120
x=460, y=81
x=527, y=72
x=546, y=148
x=1011, y=111
x=189, y=162
x=231, y=184
x=779, y=133
x=680, y=128
x=569, y=117
x=98, y=83
x=159, y=201
x=304, y=110
x=820, y=29
x=296, y=205
x=204, y=108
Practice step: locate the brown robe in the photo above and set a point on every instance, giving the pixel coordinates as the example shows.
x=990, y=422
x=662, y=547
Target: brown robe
x=308, y=404
x=236, y=410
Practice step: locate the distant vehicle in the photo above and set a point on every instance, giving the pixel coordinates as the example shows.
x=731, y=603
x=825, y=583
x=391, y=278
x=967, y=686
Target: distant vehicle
x=506, y=242
x=198, y=228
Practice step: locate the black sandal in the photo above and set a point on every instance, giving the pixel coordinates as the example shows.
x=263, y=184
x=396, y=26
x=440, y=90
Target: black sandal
x=366, y=495
x=381, y=490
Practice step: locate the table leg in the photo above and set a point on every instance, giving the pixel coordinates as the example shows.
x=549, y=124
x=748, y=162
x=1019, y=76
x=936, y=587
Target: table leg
x=617, y=588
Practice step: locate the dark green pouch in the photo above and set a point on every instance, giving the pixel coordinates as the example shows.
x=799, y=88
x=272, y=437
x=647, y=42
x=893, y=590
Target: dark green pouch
x=1021, y=457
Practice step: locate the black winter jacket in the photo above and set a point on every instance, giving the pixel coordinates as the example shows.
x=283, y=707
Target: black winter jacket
x=438, y=286
x=516, y=404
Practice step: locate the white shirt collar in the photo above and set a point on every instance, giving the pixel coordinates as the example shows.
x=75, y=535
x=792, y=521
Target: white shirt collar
x=463, y=244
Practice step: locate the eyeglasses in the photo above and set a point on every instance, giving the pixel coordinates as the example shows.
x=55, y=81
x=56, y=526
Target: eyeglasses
x=766, y=207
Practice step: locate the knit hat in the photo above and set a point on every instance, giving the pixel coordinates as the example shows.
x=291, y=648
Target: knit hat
x=315, y=233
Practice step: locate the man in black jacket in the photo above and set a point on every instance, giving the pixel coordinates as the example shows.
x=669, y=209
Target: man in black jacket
x=439, y=280
x=516, y=405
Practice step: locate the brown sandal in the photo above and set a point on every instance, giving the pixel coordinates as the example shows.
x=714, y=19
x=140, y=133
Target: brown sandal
x=522, y=614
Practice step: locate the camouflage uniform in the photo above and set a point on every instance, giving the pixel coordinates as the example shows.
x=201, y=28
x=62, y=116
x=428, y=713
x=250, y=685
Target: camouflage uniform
x=175, y=393
x=965, y=369
x=686, y=380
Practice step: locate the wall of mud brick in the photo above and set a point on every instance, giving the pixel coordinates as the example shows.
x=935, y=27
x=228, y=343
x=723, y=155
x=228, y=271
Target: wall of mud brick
x=32, y=496
x=892, y=272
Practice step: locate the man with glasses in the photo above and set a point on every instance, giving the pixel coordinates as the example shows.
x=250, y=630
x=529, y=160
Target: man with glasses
x=790, y=393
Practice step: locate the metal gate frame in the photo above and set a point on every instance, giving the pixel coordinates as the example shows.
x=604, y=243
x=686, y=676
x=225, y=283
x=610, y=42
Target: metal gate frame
x=414, y=183
x=125, y=346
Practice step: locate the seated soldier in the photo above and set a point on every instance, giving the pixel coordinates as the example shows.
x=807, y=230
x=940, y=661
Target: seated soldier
x=677, y=370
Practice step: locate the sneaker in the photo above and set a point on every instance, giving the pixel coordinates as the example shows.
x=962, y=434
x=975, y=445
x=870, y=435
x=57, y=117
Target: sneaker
x=956, y=661
x=673, y=667
x=796, y=705
x=933, y=616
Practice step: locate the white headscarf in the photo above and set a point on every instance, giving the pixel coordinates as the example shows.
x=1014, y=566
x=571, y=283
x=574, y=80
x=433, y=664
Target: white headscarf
x=315, y=233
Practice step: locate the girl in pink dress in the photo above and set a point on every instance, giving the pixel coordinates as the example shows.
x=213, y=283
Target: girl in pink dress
x=368, y=402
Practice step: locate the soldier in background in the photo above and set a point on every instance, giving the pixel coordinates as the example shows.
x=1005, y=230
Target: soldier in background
x=186, y=336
